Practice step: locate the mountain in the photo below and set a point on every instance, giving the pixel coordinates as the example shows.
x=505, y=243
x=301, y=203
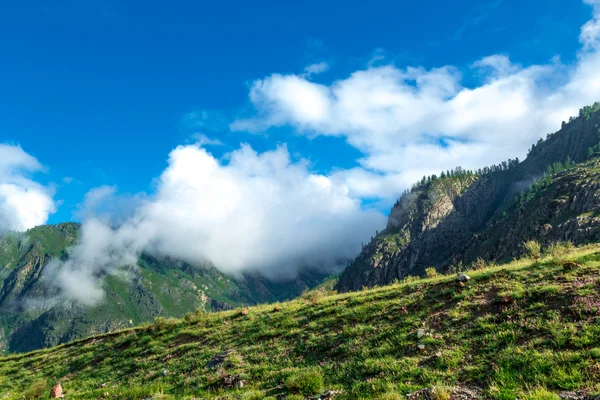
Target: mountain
x=31, y=316
x=464, y=217
x=524, y=330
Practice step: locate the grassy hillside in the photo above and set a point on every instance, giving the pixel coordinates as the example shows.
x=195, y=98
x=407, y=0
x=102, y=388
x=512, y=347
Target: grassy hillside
x=528, y=329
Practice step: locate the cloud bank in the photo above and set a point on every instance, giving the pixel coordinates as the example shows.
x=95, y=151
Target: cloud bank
x=253, y=211
x=24, y=203
x=412, y=121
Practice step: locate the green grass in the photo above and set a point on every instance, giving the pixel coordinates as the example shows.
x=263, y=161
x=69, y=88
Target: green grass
x=526, y=330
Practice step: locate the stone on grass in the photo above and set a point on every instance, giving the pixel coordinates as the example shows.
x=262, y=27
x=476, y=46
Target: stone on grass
x=56, y=392
x=218, y=359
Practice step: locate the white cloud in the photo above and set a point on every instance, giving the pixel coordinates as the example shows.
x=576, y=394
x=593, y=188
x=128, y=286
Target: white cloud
x=204, y=140
x=24, y=203
x=288, y=97
x=317, y=68
x=590, y=32
x=257, y=211
x=104, y=203
x=412, y=121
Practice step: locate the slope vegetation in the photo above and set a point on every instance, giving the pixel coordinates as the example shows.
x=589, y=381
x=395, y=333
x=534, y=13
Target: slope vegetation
x=528, y=329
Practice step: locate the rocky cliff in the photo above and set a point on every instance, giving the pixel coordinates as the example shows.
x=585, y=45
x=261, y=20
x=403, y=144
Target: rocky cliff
x=464, y=216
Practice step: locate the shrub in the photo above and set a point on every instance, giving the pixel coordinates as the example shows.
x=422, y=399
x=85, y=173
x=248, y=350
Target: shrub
x=410, y=278
x=36, y=391
x=533, y=249
x=313, y=296
x=161, y=396
x=390, y=396
x=541, y=394
x=431, y=272
x=200, y=312
x=308, y=383
x=595, y=352
x=559, y=250
x=441, y=392
x=253, y=395
x=162, y=323
x=457, y=268
x=480, y=263
x=189, y=317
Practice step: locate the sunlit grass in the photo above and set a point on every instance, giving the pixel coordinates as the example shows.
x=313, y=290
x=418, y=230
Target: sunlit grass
x=527, y=329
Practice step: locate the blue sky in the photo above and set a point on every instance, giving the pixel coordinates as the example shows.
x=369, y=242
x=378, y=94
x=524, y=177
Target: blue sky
x=100, y=91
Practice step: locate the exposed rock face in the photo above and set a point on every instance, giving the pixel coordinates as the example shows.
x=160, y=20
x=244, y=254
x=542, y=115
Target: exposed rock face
x=425, y=231
x=568, y=210
x=466, y=217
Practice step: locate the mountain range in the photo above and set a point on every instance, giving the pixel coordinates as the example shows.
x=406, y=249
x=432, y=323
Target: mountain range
x=446, y=223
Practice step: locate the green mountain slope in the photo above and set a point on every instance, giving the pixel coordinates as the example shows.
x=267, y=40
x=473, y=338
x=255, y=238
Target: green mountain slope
x=529, y=330
x=32, y=317
x=463, y=216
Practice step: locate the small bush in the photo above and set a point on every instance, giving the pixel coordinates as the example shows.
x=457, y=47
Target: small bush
x=150, y=391
x=162, y=396
x=480, y=263
x=200, y=312
x=162, y=323
x=595, y=352
x=457, y=268
x=189, y=317
x=410, y=278
x=390, y=396
x=559, y=250
x=307, y=383
x=431, y=272
x=533, y=249
x=549, y=289
x=441, y=392
x=313, y=296
x=253, y=395
x=541, y=394
x=37, y=390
